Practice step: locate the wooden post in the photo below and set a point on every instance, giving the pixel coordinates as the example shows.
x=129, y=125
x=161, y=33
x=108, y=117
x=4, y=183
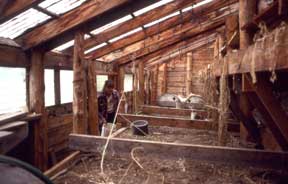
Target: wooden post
x=141, y=79
x=79, y=88
x=92, y=99
x=57, y=88
x=148, y=87
x=164, y=79
x=37, y=105
x=247, y=9
x=189, y=73
x=121, y=77
x=135, y=90
x=154, y=82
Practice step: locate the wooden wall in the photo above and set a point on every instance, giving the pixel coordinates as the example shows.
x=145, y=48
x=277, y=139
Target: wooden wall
x=176, y=75
x=60, y=125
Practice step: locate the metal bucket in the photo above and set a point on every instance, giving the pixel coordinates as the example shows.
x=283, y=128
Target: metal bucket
x=140, y=127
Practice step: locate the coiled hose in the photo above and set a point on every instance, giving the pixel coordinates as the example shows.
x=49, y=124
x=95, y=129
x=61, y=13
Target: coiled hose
x=36, y=172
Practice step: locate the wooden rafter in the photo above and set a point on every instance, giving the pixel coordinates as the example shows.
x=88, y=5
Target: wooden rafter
x=139, y=21
x=188, y=32
x=163, y=26
x=15, y=7
x=70, y=20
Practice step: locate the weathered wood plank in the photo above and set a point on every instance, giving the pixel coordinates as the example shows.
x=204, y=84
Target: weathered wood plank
x=6, y=118
x=156, y=29
x=70, y=20
x=166, y=121
x=62, y=165
x=15, y=7
x=18, y=130
x=170, y=111
x=139, y=21
x=80, y=116
x=182, y=34
x=271, y=109
x=37, y=105
x=174, y=151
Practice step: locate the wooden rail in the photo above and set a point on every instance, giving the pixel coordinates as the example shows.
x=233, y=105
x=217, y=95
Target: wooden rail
x=234, y=156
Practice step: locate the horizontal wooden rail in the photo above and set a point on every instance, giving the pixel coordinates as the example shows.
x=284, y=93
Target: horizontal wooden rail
x=234, y=156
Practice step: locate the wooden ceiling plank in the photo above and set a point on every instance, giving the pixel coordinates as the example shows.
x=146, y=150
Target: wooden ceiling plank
x=68, y=21
x=156, y=29
x=138, y=21
x=12, y=8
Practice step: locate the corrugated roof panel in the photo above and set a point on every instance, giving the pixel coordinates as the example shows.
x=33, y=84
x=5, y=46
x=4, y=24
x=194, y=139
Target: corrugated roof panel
x=61, y=6
x=22, y=22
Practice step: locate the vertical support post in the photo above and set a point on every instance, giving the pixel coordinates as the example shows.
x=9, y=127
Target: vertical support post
x=79, y=87
x=135, y=90
x=164, y=79
x=247, y=9
x=141, y=79
x=121, y=77
x=37, y=105
x=57, y=88
x=154, y=82
x=189, y=73
x=92, y=104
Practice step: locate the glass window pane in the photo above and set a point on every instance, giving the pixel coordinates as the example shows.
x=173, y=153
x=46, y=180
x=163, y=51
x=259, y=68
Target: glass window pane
x=66, y=84
x=101, y=81
x=13, y=89
x=49, y=87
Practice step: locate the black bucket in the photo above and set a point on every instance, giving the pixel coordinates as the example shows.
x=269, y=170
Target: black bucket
x=140, y=127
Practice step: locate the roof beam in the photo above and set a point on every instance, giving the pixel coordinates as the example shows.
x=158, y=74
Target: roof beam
x=182, y=35
x=138, y=21
x=156, y=29
x=68, y=21
x=47, y=12
x=12, y=8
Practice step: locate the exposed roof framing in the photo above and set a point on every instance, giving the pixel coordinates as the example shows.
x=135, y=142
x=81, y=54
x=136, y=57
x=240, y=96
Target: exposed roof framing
x=12, y=8
x=162, y=26
x=172, y=53
x=68, y=21
x=47, y=12
x=181, y=35
x=139, y=21
x=86, y=17
x=168, y=37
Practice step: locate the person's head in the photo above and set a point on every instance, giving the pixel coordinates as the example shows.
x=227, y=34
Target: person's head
x=108, y=87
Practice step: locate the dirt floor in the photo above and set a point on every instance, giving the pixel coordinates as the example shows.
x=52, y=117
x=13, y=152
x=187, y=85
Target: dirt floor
x=183, y=135
x=146, y=170
x=154, y=171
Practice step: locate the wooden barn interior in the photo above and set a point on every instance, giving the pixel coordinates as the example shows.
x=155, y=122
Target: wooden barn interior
x=206, y=79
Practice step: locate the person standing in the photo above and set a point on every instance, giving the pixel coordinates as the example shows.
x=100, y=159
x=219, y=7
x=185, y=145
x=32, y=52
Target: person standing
x=107, y=104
